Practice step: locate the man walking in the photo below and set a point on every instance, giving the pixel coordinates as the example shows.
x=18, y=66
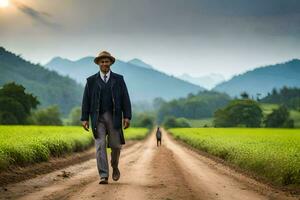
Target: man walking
x=106, y=100
x=158, y=136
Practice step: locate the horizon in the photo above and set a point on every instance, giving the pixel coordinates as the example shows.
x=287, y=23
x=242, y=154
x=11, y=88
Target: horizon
x=192, y=75
x=157, y=69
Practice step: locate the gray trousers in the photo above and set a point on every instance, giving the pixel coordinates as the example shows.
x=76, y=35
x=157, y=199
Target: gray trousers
x=105, y=125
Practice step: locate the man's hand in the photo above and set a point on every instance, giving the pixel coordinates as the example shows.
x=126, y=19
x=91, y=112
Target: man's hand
x=85, y=125
x=126, y=123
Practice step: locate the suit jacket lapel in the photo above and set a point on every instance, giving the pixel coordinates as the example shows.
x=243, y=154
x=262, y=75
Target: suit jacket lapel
x=98, y=80
x=113, y=78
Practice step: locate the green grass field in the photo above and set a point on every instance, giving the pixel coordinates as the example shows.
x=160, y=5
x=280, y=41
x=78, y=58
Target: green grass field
x=270, y=153
x=22, y=145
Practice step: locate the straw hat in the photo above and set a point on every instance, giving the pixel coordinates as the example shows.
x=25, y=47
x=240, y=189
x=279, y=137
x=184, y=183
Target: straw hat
x=104, y=54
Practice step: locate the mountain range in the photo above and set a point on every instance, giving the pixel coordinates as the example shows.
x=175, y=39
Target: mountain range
x=144, y=83
x=49, y=87
x=61, y=80
x=262, y=80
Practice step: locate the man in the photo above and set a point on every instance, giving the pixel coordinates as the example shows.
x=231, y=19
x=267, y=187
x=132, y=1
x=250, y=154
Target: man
x=106, y=99
x=158, y=136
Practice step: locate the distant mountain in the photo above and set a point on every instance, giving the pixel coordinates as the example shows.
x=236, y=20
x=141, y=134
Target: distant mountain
x=263, y=79
x=207, y=82
x=144, y=83
x=140, y=63
x=48, y=86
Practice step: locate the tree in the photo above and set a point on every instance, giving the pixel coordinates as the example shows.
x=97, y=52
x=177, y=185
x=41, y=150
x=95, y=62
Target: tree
x=274, y=91
x=172, y=122
x=48, y=116
x=279, y=118
x=242, y=112
x=143, y=120
x=158, y=102
x=15, y=104
x=245, y=95
x=74, y=116
x=8, y=118
x=221, y=119
x=201, y=105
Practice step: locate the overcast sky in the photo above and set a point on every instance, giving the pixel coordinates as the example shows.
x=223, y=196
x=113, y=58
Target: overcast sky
x=197, y=37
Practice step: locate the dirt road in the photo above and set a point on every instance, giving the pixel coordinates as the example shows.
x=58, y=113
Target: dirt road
x=171, y=171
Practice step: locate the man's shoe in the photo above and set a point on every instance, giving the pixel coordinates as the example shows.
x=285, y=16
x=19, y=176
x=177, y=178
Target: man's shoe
x=103, y=180
x=116, y=174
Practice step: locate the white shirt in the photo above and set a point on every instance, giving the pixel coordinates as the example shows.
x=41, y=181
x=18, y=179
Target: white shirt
x=107, y=75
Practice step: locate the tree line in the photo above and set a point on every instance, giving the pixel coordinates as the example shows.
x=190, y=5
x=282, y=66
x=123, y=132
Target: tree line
x=226, y=112
x=19, y=107
x=290, y=97
x=194, y=106
x=248, y=113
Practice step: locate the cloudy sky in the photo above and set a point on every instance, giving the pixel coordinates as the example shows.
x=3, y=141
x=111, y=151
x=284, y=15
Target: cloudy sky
x=197, y=37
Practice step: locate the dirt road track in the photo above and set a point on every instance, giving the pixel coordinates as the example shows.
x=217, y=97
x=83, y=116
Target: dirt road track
x=169, y=172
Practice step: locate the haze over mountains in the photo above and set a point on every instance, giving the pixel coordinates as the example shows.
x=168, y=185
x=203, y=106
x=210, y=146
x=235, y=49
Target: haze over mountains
x=143, y=81
x=209, y=81
x=263, y=79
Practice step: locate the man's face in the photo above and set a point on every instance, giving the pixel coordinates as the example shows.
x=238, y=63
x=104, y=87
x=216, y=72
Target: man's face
x=104, y=64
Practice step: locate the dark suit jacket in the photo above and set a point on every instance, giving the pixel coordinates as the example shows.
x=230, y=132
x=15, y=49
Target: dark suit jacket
x=91, y=101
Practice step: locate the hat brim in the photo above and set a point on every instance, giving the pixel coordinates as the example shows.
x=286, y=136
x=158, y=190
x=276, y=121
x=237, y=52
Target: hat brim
x=96, y=60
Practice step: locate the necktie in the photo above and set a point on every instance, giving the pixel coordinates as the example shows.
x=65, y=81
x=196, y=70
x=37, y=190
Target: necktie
x=105, y=78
